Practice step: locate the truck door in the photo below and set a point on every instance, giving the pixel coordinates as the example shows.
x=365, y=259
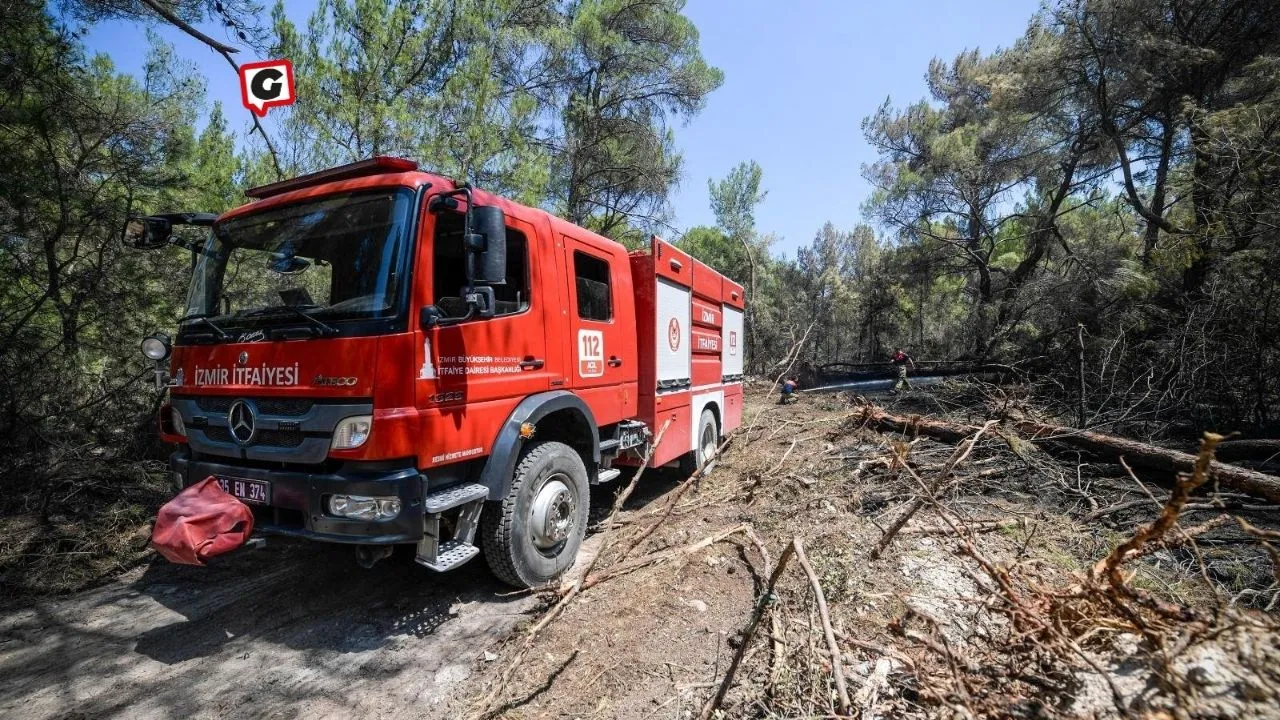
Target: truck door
x=474, y=372
x=602, y=363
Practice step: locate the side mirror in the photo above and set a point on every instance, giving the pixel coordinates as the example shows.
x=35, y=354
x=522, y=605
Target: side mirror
x=480, y=304
x=288, y=265
x=482, y=301
x=490, y=223
x=430, y=317
x=146, y=233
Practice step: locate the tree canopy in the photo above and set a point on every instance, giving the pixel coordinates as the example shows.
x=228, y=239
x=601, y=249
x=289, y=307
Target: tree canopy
x=1109, y=180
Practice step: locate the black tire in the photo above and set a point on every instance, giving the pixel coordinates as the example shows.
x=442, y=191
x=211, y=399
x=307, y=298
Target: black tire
x=703, y=453
x=507, y=531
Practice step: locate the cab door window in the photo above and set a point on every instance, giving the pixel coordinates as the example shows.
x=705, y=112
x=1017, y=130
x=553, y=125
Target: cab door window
x=449, y=273
x=595, y=295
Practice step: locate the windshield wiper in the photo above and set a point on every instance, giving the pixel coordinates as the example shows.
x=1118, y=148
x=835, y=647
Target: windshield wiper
x=204, y=318
x=322, y=326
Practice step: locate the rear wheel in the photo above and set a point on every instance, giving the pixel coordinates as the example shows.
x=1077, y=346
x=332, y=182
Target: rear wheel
x=703, y=456
x=533, y=534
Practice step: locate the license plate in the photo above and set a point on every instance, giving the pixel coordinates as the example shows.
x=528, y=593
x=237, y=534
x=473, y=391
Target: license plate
x=250, y=491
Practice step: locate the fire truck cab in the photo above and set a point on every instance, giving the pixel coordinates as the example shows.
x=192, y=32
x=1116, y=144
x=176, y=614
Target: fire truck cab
x=376, y=355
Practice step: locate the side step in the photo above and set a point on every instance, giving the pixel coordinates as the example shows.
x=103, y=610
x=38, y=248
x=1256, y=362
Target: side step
x=450, y=555
x=446, y=554
x=607, y=475
x=452, y=497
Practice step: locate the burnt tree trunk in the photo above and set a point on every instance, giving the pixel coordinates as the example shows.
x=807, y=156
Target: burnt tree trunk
x=1137, y=454
x=1248, y=449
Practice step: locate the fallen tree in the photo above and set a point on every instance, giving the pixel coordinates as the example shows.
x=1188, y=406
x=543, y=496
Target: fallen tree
x=1137, y=454
x=1248, y=449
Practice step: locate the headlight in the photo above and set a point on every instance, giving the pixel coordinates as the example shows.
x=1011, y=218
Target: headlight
x=351, y=432
x=156, y=346
x=361, y=507
x=175, y=418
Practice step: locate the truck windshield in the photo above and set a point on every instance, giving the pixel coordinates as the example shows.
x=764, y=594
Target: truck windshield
x=317, y=263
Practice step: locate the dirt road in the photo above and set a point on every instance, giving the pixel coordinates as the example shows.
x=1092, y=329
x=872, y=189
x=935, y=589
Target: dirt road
x=289, y=630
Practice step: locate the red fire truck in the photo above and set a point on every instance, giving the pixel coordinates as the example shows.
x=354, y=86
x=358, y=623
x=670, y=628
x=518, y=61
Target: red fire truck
x=380, y=356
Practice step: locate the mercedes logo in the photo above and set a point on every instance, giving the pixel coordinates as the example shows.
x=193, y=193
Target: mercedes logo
x=242, y=420
x=244, y=357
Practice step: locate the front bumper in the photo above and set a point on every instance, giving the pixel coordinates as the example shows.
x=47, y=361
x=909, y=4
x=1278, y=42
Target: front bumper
x=298, y=499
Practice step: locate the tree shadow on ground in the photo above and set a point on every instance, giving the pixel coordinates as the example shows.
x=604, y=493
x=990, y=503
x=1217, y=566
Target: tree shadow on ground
x=304, y=596
x=277, y=624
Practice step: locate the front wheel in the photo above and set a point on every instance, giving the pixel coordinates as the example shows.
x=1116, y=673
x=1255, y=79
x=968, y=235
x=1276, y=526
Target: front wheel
x=533, y=534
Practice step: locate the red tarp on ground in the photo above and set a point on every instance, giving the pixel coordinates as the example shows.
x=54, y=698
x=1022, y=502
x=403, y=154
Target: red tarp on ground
x=201, y=522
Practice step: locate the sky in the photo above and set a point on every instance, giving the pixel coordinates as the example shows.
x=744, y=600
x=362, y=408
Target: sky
x=799, y=79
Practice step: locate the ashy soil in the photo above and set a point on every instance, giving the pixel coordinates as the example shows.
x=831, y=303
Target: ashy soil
x=981, y=605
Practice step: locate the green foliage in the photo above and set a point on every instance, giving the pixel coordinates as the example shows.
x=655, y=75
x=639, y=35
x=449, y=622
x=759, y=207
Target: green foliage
x=564, y=105
x=1113, y=173
x=1114, y=170
x=1001, y=192
x=737, y=251
x=628, y=68
x=85, y=147
x=734, y=199
x=715, y=248
x=420, y=78
x=215, y=170
x=236, y=17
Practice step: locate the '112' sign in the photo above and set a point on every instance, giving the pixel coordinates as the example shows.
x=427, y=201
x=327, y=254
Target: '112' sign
x=590, y=353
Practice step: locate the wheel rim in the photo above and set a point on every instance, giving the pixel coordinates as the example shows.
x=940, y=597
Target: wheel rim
x=708, y=443
x=553, y=514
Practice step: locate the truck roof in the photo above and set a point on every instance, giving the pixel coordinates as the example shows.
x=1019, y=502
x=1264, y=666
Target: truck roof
x=386, y=171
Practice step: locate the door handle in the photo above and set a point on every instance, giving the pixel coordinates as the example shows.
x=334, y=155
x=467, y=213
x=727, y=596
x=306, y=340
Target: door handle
x=531, y=363
x=615, y=361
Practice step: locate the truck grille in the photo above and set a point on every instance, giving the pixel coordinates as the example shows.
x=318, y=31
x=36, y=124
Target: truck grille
x=266, y=438
x=282, y=407
x=289, y=429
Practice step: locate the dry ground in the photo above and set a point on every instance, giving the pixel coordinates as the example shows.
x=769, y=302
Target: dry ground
x=980, y=606
x=290, y=630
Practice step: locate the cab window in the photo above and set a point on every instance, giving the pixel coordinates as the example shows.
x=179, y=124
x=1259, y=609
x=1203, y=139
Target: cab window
x=449, y=275
x=595, y=301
